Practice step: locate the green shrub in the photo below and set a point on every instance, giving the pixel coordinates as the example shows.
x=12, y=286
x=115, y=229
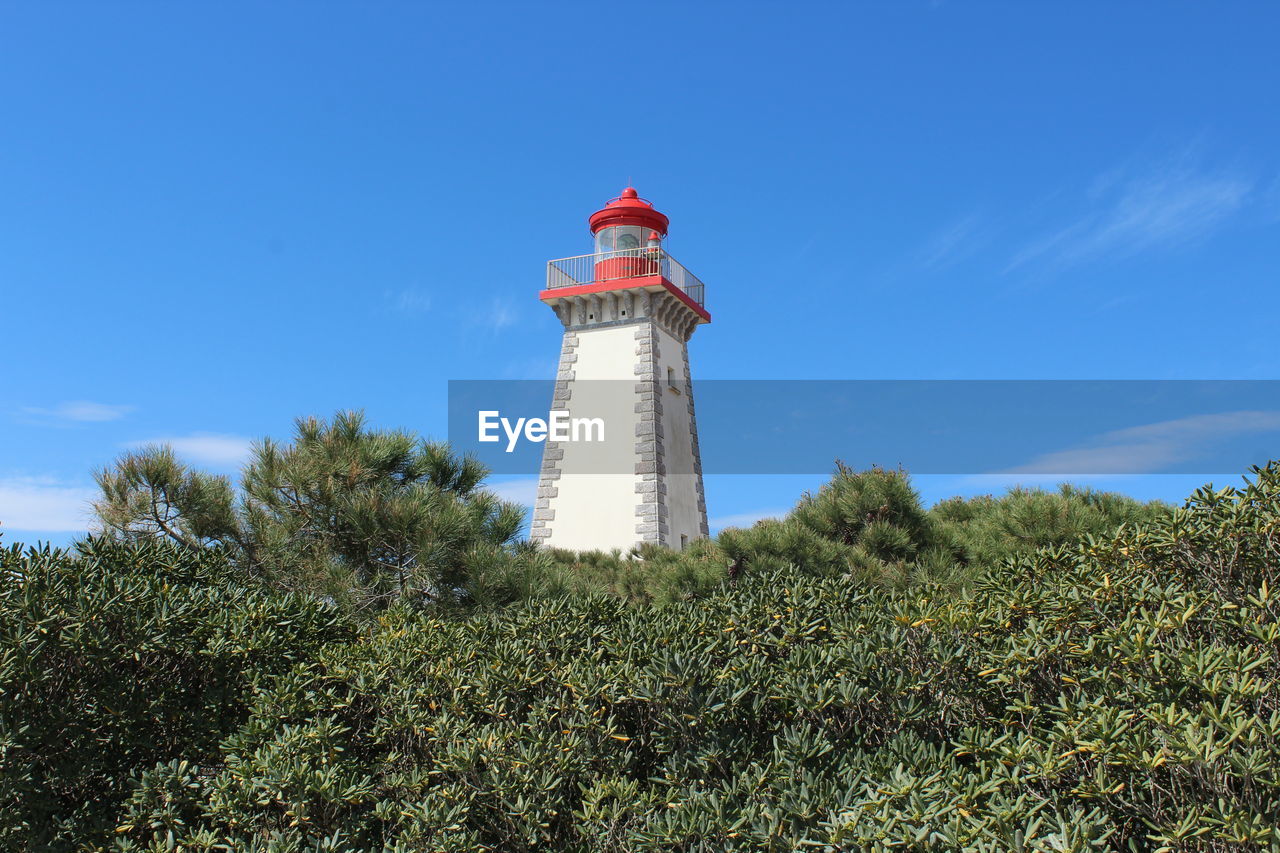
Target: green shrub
x=648, y=574
x=1115, y=693
x=876, y=509
x=361, y=516
x=869, y=524
x=774, y=544
x=987, y=530
x=121, y=656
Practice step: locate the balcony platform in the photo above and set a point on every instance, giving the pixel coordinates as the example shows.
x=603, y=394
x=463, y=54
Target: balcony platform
x=650, y=283
x=649, y=269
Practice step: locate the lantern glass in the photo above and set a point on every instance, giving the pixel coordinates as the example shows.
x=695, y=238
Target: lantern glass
x=621, y=238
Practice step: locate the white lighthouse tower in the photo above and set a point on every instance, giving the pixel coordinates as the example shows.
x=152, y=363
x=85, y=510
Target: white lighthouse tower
x=628, y=311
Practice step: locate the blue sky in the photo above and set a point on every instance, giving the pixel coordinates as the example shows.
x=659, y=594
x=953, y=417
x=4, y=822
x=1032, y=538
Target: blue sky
x=217, y=217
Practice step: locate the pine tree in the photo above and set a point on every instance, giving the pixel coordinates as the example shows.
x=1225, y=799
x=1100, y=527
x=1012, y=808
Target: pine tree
x=365, y=517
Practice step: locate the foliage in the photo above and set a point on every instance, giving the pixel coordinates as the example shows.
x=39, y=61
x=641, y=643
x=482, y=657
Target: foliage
x=362, y=516
x=121, y=656
x=367, y=518
x=649, y=574
x=1113, y=693
x=869, y=525
x=877, y=511
x=989, y=530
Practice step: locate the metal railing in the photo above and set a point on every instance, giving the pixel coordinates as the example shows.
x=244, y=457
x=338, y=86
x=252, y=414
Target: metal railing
x=623, y=264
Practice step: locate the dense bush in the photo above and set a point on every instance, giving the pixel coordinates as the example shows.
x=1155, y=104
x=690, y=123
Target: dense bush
x=988, y=530
x=1114, y=693
x=364, y=517
x=869, y=524
x=121, y=656
x=367, y=518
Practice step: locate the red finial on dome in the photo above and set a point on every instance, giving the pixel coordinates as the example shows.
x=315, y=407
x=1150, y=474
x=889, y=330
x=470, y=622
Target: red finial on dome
x=628, y=209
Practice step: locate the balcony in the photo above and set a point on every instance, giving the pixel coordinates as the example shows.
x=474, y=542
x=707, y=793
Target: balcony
x=624, y=264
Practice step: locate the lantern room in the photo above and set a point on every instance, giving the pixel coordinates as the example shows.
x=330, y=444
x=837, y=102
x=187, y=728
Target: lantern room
x=629, y=255
x=628, y=222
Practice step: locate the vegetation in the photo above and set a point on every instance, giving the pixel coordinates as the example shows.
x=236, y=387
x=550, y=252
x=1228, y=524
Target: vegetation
x=1041, y=671
x=367, y=518
x=363, y=517
x=870, y=524
x=121, y=656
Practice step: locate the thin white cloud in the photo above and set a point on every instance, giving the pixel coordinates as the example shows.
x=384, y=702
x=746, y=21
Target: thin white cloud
x=518, y=491
x=1171, y=204
x=407, y=301
x=502, y=314
x=953, y=242
x=745, y=519
x=83, y=411
x=44, y=505
x=1149, y=448
x=205, y=448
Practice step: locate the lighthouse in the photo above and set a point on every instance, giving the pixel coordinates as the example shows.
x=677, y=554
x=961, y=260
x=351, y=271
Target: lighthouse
x=628, y=311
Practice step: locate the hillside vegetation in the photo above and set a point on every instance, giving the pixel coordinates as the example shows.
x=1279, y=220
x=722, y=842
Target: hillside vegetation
x=861, y=675
x=371, y=519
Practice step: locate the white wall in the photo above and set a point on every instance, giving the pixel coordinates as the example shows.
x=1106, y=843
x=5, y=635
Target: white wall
x=683, y=517
x=595, y=501
x=598, y=511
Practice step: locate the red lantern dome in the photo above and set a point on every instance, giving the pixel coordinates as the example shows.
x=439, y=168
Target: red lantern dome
x=629, y=209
